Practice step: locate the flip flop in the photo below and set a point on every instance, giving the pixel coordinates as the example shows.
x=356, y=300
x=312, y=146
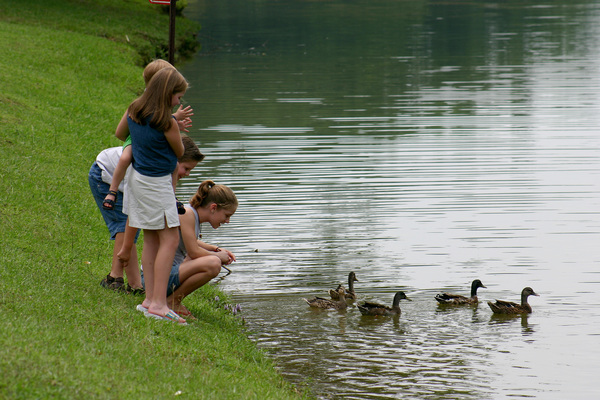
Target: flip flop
x=142, y=309
x=170, y=316
x=187, y=314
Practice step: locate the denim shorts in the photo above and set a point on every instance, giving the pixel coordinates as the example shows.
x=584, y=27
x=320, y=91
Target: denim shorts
x=115, y=219
x=173, y=279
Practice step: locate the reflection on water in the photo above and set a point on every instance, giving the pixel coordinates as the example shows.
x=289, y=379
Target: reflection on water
x=421, y=145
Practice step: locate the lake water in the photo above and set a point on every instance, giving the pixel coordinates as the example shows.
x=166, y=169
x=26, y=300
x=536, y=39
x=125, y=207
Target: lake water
x=420, y=144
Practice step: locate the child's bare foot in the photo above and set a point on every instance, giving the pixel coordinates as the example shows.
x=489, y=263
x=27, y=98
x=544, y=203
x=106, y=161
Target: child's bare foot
x=183, y=311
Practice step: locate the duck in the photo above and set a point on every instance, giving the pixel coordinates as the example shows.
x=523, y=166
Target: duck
x=350, y=294
x=368, y=308
x=508, y=307
x=320, y=302
x=457, y=299
x=334, y=293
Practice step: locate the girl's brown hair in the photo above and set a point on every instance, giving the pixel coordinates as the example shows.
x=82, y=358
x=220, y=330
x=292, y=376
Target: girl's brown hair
x=153, y=67
x=209, y=192
x=155, y=102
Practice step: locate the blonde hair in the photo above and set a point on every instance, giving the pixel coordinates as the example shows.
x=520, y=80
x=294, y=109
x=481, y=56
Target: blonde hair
x=209, y=192
x=153, y=67
x=155, y=102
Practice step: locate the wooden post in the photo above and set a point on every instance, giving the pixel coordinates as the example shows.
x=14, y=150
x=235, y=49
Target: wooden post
x=172, y=11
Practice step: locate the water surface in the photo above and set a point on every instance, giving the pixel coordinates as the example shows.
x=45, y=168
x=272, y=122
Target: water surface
x=420, y=144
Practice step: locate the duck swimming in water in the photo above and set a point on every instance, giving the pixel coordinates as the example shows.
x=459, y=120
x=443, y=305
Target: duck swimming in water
x=350, y=294
x=320, y=302
x=508, y=307
x=457, y=299
x=368, y=308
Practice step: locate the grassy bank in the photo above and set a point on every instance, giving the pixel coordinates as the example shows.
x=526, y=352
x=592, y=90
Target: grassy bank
x=68, y=70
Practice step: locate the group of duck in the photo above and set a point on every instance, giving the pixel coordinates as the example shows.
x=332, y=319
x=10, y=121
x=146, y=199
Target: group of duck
x=339, y=298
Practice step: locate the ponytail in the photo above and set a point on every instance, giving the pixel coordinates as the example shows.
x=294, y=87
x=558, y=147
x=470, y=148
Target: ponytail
x=209, y=192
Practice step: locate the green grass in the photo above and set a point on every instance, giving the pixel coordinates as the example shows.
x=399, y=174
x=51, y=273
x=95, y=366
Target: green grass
x=67, y=72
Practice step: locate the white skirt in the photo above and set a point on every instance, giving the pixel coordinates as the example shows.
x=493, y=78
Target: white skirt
x=149, y=201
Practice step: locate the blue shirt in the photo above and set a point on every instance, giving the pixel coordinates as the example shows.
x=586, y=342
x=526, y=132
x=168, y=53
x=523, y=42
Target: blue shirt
x=152, y=153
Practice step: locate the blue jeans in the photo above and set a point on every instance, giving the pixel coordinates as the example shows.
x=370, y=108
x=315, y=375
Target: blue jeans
x=114, y=219
x=173, y=279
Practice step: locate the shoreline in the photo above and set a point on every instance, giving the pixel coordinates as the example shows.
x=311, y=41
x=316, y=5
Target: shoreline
x=70, y=68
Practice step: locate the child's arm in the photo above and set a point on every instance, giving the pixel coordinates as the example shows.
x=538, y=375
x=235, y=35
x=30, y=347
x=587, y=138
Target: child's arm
x=121, y=168
x=175, y=178
x=123, y=128
x=188, y=235
x=226, y=256
x=174, y=138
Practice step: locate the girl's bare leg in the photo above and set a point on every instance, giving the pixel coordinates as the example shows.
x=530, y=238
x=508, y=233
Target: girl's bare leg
x=168, y=240
x=193, y=274
x=148, y=257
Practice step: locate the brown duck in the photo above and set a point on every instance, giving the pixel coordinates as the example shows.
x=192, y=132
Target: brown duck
x=350, y=294
x=508, y=307
x=368, y=308
x=320, y=302
x=458, y=300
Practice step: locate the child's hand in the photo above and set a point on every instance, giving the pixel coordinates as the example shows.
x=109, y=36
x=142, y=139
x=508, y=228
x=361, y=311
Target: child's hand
x=123, y=258
x=226, y=256
x=184, y=124
x=183, y=113
x=231, y=256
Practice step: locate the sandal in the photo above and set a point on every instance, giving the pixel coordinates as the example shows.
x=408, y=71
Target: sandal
x=180, y=207
x=109, y=204
x=133, y=291
x=116, y=284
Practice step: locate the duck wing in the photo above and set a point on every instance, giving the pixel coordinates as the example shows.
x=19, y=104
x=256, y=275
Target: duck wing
x=368, y=304
x=368, y=308
x=508, y=304
x=448, y=298
x=320, y=302
x=506, y=307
